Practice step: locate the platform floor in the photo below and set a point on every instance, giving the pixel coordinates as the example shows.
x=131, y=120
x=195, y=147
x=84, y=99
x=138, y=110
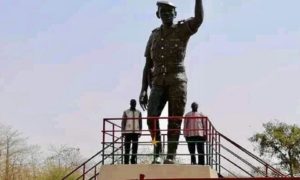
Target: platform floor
x=126, y=172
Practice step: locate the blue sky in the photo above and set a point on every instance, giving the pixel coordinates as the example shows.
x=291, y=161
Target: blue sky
x=64, y=65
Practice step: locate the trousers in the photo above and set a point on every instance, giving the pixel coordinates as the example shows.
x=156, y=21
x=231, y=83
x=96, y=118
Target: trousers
x=131, y=138
x=196, y=141
x=175, y=95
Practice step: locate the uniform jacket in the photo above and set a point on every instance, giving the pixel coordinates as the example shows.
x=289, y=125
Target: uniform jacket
x=167, y=50
x=194, y=125
x=132, y=125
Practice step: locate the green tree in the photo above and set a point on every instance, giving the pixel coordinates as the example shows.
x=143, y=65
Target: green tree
x=280, y=142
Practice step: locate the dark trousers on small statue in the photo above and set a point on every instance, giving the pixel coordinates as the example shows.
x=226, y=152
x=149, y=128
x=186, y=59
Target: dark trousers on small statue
x=131, y=138
x=175, y=95
x=193, y=142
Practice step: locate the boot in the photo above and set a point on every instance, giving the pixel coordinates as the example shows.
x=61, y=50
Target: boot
x=172, y=148
x=157, y=152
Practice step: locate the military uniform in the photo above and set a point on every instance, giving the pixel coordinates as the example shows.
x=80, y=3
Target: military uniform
x=166, y=50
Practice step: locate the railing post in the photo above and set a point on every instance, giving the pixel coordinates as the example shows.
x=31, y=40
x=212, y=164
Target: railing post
x=219, y=153
x=207, y=139
x=164, y=143
x=267, y=170
x=210, y=145
x=142, y=176
x=103, y=141
x=122, y=149
x=95, y=172
x=216, y=149
x=83, y=173
x=155, y=130
x=113, y=143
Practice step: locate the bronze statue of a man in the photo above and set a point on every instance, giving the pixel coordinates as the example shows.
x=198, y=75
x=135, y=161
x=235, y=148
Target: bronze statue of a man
x=164, y=72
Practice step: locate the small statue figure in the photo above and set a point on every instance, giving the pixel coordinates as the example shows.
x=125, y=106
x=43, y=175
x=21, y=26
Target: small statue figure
x=131, y=130
x=194, y=131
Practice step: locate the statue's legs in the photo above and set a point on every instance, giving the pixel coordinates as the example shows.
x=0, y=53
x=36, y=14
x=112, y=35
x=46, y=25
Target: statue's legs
x=177, y=101
x=157, y=101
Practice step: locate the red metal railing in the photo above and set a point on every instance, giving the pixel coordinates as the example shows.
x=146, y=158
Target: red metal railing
x=222, y=154
x=142, y=177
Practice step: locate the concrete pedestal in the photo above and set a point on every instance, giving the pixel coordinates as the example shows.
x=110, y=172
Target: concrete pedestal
x=126, y=172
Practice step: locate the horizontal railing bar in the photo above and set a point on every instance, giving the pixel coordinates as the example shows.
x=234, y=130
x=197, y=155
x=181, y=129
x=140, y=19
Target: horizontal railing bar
x=229, y=178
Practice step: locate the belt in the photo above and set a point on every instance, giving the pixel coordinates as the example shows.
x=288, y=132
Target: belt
x=168, y=69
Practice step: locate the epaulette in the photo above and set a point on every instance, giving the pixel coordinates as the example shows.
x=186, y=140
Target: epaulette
x=181, y=22
x=156, y=29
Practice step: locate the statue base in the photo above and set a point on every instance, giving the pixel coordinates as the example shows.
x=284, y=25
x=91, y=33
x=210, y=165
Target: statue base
x=155, y=171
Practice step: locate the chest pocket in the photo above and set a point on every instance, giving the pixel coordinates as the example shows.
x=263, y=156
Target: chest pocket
x=177, y=48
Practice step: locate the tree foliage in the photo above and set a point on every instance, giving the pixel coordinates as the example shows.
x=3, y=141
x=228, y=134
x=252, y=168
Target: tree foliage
x=21, y=161
x=280, y=142
x=14, y=153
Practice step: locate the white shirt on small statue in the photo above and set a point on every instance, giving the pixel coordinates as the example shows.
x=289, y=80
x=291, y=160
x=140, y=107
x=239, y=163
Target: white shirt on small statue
x=132, y=122
x=194, y=124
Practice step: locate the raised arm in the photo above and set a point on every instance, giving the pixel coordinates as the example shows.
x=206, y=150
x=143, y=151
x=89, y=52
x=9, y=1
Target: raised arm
x=199, y=11
x=198, y=17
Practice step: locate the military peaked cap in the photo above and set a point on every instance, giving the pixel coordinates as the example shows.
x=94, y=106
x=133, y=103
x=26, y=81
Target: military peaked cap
x=167, y=3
